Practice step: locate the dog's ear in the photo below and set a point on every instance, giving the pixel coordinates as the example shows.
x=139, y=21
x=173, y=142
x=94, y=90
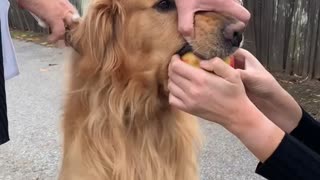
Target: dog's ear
x=99, y=33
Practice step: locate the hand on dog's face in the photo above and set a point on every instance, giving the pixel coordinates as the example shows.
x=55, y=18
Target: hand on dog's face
x=155, y=28
x=142, y=35
x=57, y=14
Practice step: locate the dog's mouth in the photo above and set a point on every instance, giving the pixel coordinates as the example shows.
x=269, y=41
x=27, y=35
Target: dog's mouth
x=186, y=48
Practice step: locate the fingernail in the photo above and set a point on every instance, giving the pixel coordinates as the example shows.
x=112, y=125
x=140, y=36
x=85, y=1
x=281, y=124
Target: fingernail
x=188, y=39
x=76, y=17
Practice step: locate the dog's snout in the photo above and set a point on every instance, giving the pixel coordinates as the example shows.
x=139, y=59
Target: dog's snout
x=234, y=33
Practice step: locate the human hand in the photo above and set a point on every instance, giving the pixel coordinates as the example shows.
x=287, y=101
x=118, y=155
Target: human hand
x=187, y=9
x=217, y=95
x=56, y=13
x=267, y=94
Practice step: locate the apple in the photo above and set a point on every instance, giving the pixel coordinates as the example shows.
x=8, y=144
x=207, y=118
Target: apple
x=194, y=61
x=191, y=59
x=230, y=60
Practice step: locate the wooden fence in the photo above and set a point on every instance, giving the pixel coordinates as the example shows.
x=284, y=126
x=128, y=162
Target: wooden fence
x=283, y=34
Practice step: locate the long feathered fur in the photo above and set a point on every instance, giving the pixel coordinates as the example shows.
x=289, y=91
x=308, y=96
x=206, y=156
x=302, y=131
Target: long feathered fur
x=117, y=123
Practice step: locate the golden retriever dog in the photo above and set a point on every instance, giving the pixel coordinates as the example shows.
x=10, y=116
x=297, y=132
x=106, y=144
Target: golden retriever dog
x=117, y=121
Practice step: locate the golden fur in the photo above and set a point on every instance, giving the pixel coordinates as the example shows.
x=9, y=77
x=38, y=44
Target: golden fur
x=117, y=122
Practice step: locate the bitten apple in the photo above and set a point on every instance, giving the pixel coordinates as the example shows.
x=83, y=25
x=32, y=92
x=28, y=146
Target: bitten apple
x=194, y=61
x=191, y=59
x=230, y=60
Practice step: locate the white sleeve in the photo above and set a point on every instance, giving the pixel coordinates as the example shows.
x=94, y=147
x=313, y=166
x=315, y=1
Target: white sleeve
x=9, y=58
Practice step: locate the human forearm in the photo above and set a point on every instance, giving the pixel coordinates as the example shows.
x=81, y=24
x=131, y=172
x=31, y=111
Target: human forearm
x=257, y=133
x=267, y=94
x=282, y=109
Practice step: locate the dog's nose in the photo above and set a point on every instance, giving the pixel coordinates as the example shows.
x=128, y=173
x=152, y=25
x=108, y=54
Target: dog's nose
x=237, y=39
x=234, y=33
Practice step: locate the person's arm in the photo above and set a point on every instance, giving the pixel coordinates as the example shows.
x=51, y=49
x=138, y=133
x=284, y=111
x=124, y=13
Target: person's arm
x=276, y=103
x=282, y=156
x=220, y=97
x=291, y=160
x=267, y=94
x=297, y=156
x=56, y=13
x=308, y=132
x=261, y=136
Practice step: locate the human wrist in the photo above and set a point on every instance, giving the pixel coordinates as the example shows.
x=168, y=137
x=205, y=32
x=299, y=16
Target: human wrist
x=257, y=133
x=282, y=109
x=242, y=119
x=245, y=119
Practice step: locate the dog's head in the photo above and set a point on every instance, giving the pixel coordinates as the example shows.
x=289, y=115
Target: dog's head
x=141, y=35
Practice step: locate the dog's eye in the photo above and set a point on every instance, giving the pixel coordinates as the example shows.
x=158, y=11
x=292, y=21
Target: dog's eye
x=165, y=5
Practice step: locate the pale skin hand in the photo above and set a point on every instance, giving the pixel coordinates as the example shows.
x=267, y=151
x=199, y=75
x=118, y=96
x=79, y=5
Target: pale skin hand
x=221, y=98
x=56, y=13
x=267, y=94
x=204, y=94
x=187, y=9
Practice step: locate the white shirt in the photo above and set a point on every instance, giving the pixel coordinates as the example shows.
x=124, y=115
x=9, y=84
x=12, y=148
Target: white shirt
x=9, y=58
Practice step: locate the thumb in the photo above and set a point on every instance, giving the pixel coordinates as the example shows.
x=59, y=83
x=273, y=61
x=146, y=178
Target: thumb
x=244, y=75
x=238, y=11
x=248, y=60
x=71, y=19
x=186, y=22
x=218, y=67
x=58, y=31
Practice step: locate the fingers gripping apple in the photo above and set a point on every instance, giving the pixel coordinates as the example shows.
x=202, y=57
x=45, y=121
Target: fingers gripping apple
x=194, y=61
